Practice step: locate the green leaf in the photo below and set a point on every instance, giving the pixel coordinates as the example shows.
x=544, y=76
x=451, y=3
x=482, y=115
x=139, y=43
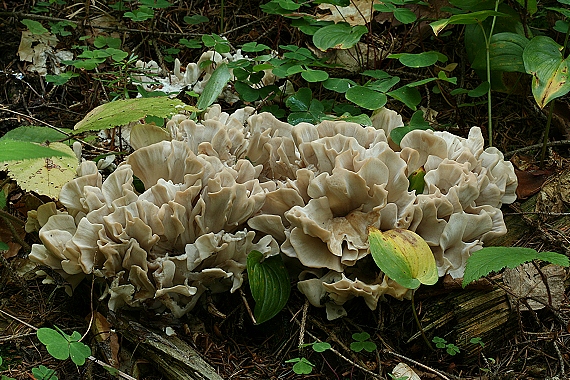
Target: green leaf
x=338, y=36
x=404, y=15
x=300, y=101
x=495, y=259
x=140, y=14
x=44, y=176
x=544, y=61
x=254, y=47
x=3, y=246
x=410, y=96
x=61, y=79
x=190, y=44
x=79, y=352
x=321, y=346
x=34, y=27
x=302, y=366
x=195, y=19
x=217, y=83
x=403, y=256
x=427, y=58
x=44, y=373
x=383, y=85
x=11, y=150
x=463, y=19
x=56, y=344
x=314, y=75
x=361, y=336
x=269, y=284
x=155, y=3
x=417, y=181
x=246, y=92
x=2, y=199
x=359, y=346
x=505, y=53
x=416, y=122
x=122, y=112
x=480, y=90
x=365, y=97
x=35, y=134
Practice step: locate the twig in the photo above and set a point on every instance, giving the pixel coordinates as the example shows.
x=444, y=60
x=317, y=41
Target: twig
x=16, y=236
x=249, y=312
x=303, y=324
x=11, y=217
x=537, y=146
x=92, y=358
x=444, y=377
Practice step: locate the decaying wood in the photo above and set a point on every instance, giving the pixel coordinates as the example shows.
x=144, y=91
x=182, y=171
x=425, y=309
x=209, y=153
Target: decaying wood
x=176, y=359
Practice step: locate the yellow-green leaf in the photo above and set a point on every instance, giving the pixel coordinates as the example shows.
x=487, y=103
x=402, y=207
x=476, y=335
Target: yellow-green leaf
x=404, y=256
x=44, y=176
x=543, y=60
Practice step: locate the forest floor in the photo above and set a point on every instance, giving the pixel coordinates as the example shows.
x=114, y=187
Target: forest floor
x=525, y=345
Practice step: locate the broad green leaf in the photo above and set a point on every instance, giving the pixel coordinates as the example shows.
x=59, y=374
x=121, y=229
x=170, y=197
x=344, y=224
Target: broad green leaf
x=361, y=336
x=300, y=101
x=217, y=83
x=383, y=85
x=404, y=15
x=505, y=53
x=78, y=352
x=122, y=112
x=315, y=75
x=321, y=346
x=403, y=256
x=531, y=5
x=361, y=119
x=254, y=47
x=3, y=246
x=410, y=96
x=463, y=19
x=155, y=3
x=424, y=59
x=56, y=344
x=339, y=85
x=365, y=97
x=338, y=36
x=269, y=284
x=195, y=19
x=417, y=181
x=376, y=74
x=246, y=92
x=44, y=176
x=416, y=122
x=495, y=259
x=34, y=134
x=44, y=373
x=544, y=61
x=34, y=27
x=11, y=150
x=61, y=79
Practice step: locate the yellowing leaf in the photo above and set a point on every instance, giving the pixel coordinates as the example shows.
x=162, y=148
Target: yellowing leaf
x=404, y=256
x=44, y=176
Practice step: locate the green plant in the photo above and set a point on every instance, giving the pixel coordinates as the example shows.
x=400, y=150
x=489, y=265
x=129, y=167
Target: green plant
x=269, y=284
x=3, y=376
x=62, y=346
x=44, y=373
x=494, y=259
x=302, y=365
x=362, y=342
x=477, y=340
x=451, y=348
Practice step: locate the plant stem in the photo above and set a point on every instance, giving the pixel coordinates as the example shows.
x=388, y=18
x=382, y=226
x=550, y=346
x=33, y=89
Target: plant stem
x=488, y=58
x=551, y=111
x=418, y=322
x=546, y=132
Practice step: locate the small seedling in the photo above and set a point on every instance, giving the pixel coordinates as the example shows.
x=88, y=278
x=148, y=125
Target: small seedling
x=362, y=342
x=478, y=341
x=62, y=346
x=451, y=348
x=44, y=373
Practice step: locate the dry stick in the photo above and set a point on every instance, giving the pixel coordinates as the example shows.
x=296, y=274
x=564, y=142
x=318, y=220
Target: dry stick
x=92, y=358
x=4, y=108
x=537, y=146
x=444, y=377
x=15, y=235
x=303, y=324
x=241, y=293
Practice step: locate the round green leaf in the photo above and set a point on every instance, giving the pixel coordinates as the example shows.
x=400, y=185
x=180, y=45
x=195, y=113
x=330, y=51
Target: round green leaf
x=246, y=92
x=403, y=256
x=365, y=97
x=56, y=344
x=410, y=96
x=300, y=101
x=314, y=75
x=404, y=15
x=544, y=61
x=338, y=36
x=79, y=352
x=339, y=85
x=427, y=58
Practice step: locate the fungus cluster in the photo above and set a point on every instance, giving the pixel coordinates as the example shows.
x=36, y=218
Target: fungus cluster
x=235, y=183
